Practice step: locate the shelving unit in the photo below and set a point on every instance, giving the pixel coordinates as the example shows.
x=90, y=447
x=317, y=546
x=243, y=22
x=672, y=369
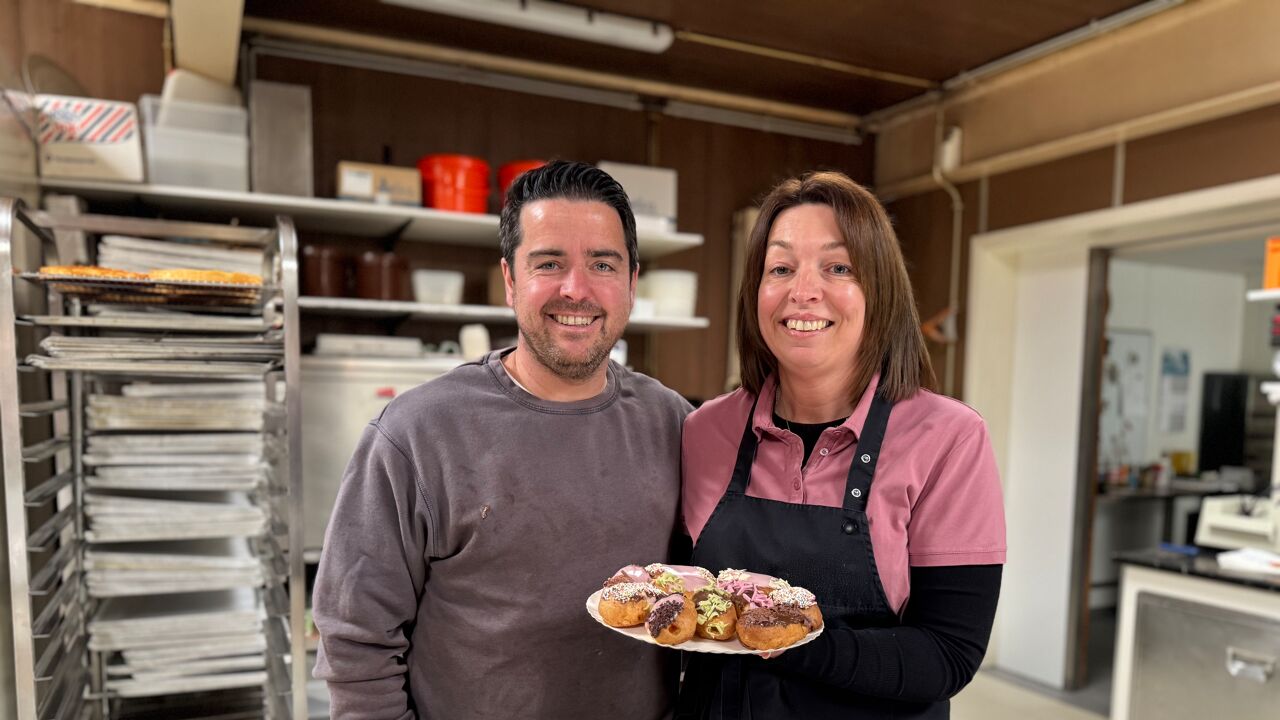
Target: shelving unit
x=52, y=486
x=465, y=313
x=340, y=216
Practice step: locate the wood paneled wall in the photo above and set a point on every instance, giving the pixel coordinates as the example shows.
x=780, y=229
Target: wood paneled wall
x=373, y=116
x=1231, y=149
x=114, y=55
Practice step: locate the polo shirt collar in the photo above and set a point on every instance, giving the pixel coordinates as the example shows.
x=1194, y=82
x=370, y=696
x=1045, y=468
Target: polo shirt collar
x=762, y=420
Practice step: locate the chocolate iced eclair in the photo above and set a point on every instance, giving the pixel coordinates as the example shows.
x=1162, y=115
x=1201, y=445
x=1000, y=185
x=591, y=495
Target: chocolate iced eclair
x=671, y=620
x=771, y=628
x=799, y=599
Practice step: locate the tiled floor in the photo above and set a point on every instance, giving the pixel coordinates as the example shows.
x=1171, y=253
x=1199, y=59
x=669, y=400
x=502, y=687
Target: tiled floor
x=990, y=697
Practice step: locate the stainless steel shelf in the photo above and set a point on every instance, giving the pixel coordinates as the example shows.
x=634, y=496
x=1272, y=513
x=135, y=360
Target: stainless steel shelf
x=40, y=409
x=465, y=313
x=55, y=670
x=341, y=216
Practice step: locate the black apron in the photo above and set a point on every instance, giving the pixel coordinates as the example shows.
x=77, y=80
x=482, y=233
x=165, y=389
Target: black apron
x=824, y=549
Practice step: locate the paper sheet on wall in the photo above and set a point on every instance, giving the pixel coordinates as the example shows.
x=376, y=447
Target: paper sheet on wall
x=1175, y=385
x=1122, y=432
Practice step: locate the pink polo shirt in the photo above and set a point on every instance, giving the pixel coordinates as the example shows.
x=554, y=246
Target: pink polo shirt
x=935, y=499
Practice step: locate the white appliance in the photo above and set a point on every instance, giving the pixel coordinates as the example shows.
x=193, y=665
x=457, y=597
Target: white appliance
x=1238, y=521
x=339, y=398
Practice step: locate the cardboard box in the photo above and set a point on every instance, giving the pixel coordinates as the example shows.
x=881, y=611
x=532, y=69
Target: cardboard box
x=652, y=191
x=382, y=184
x=89, y=139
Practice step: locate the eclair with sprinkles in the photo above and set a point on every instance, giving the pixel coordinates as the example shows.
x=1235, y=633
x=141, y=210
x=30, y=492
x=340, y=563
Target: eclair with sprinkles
x=717, y=617
x=799, y=599
x=627, y=604
x=671, y=620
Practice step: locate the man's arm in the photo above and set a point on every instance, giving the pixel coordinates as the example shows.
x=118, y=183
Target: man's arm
x=371, y=574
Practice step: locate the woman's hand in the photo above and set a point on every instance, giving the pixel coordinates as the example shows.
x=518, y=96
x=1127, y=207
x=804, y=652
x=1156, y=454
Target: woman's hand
x=771, y=654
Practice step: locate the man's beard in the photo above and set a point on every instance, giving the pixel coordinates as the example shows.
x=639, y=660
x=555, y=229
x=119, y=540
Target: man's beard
x=545, y=350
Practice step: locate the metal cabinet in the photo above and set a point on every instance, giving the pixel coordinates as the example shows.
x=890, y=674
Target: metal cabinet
x=1198, y=661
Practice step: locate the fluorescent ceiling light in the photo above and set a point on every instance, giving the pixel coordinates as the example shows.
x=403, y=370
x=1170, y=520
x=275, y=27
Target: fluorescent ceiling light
x=555, y=18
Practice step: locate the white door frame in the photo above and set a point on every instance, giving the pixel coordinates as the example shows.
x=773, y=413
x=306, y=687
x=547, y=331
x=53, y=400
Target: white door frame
x=1024, y=363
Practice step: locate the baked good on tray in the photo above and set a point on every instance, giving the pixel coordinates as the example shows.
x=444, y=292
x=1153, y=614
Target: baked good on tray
x=671, y=620
x=210, y=276
x=91, y=271
x=676, y=603
x=800, y=599
x=771, y=628
x=627, y=604
x=717, y=617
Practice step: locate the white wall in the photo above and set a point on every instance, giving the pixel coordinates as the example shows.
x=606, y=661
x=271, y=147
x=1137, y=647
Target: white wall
x=1031, y=636
x=1255, y=345
x=1200, y=311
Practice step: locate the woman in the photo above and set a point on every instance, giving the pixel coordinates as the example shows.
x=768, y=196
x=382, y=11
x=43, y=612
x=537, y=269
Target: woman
x=834, y=469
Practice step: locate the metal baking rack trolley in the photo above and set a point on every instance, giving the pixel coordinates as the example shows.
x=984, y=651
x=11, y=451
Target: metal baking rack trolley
x=149, y=495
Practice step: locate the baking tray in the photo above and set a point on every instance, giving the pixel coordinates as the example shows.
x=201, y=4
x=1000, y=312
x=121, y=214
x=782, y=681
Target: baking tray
x=146, y=284
x=183, y=368
x=153, y=292
x=183, y=322
x=253, y=347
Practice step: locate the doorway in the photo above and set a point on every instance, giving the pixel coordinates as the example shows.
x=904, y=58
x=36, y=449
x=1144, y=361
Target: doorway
x=1025, y=370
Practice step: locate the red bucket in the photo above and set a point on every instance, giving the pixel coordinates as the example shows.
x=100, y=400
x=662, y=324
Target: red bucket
x=454, y=182
x=445, y=197
x=508, y=173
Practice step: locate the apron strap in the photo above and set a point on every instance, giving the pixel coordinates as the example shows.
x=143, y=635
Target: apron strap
x=746, y=455
x=863, y=468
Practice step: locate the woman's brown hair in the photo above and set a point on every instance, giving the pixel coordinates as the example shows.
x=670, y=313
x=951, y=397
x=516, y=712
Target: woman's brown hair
x=891, y=342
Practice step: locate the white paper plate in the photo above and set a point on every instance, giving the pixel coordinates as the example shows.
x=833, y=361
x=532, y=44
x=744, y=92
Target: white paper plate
x=694, y=644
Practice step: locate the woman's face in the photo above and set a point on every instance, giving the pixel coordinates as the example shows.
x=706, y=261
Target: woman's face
x=811, y=310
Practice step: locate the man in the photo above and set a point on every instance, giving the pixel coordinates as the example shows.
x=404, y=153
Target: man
x=481, y=509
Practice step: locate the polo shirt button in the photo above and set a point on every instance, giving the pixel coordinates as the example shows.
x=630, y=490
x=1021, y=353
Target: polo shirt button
x=856, y=492
x=866, y=458
x=796, y=485
x=824, y=452
x=848, y=528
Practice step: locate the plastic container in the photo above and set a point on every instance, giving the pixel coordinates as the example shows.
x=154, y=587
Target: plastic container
x=643, y=309
x=508, y=173
x=674, y=292
x=444, y=197
x=474, y=341
x=1271, y=267
x=437, y=287
x=196, y=144
x=455, y=182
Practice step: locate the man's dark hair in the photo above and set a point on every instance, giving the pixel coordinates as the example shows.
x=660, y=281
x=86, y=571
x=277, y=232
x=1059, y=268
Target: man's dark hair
x=564, y=179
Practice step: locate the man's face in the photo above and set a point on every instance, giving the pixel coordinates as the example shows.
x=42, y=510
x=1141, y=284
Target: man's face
x=571, y=285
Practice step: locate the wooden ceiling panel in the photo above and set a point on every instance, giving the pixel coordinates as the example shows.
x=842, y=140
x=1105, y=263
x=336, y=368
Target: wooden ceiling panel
x=932, y=39
x=929, y=39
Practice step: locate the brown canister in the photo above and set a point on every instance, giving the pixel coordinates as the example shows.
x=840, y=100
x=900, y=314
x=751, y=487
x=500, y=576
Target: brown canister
x=323, y=271
x=382, y=276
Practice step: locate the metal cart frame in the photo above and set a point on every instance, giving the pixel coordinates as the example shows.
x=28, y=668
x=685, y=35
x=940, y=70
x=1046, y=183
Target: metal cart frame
x=57, y=682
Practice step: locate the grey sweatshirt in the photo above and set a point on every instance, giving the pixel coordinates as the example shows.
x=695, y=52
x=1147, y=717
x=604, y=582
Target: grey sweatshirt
x=472, y=524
